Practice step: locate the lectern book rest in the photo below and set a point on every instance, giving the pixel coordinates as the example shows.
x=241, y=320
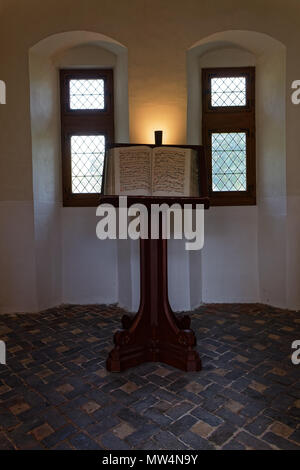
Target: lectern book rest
x=145, y=171
x=155, y=333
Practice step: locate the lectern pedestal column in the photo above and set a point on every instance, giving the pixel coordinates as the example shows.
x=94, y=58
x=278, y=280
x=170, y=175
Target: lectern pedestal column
x=155, y=333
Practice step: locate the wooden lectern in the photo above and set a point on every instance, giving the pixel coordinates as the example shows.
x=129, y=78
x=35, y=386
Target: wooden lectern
x=155, y=333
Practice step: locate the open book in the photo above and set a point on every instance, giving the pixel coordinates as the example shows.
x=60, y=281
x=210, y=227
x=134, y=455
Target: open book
x=146, y=171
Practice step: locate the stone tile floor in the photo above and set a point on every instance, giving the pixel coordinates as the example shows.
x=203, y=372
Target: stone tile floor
x=56, y=394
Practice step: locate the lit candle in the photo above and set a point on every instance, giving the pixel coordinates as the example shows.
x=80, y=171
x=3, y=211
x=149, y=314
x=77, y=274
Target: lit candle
x=158, y=137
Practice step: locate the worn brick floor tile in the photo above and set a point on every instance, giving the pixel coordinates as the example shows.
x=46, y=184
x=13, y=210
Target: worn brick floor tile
x=177, y=411
x=202, y=429
x=195, y=442
x=157, y=416
x=24, y=441
x=168, y=441
x=212, y=390
x=282, y=402
x=90, y=407
x=19, y=408
x=233, y=444
x=296, y=436
x=206, y=416
x=144, y=404
x=278, y=371
x=4, y=389
x=102, y=373
x=53, y=417
x=212, y=404
x=252, y=442
x=259, y=346
x=222, y=434
x=280, y=442
x=234, y=406
x=80, y=418
x=7, y=419
x=179, y=384
x=59, y=436
x=5, y=444
x=107, y=411
x=167, y=395
x=236, y=396
x=123, y=397
x=131, y=417
x=143, y=434
x=221, y=372
x=281, y=429
x=151, y=445
x=129, y=387
x=123, y=430
x=43, y=431
x=105, y=424
x=112, y=442
x=294, y=412
x=63, y=446
x=229, y=338
x=288, y=418
x=66, y=388
x=252, y=409
x=257, y=386
x=162, y=371
x=193, y=398
x=81, y=441
x=228, y=416
x=194, y=387
x=159, y=380
x=259, y=425
x=181, y=425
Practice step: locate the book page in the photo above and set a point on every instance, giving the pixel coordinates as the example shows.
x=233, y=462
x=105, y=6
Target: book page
x=132, y=170
x=171, y=171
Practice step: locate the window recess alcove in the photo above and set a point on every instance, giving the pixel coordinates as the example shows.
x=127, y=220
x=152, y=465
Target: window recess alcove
x=240, y=261
x=70, y=260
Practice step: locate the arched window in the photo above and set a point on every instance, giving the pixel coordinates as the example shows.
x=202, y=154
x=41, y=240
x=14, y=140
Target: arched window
x=228, y=133
x=87, y=129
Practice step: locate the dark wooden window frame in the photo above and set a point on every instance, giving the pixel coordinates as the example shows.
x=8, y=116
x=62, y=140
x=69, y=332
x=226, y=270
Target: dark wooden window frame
x=83, y=122
x=230, y=119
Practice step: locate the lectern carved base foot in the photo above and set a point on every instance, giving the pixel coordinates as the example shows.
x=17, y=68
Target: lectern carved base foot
x=137, y=344
x=127, y=321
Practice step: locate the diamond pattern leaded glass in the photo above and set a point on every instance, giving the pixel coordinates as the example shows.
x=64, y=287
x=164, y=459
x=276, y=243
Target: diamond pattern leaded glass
x=228, y=91
x=87, y=157
x=229, y=161
x=87, y=94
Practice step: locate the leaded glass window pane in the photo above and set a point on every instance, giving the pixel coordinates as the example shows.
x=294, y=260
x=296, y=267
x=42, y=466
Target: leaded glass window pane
x=87, y=158
x=87, y=94
x=228, y=91
x=229, y=161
